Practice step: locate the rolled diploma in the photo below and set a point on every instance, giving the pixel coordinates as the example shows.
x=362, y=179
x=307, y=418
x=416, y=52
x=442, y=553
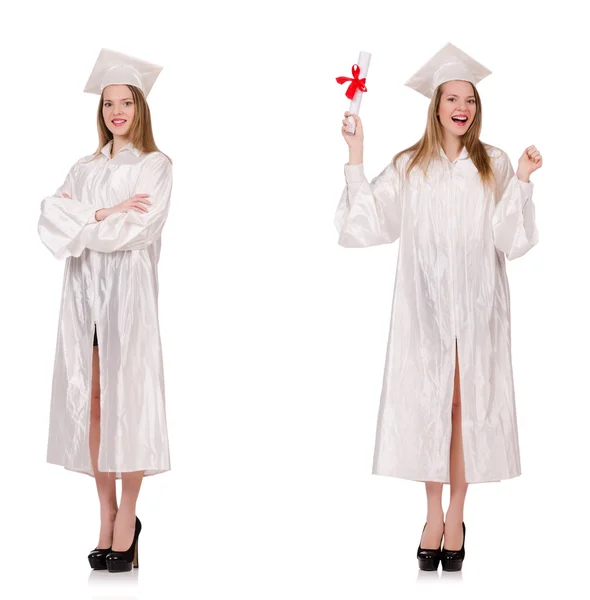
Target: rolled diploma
x=355, y=103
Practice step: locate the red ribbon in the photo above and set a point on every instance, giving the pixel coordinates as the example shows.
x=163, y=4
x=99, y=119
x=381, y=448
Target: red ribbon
x=355, y=82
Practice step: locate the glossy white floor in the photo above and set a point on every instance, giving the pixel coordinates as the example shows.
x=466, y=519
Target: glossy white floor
x=274, y=337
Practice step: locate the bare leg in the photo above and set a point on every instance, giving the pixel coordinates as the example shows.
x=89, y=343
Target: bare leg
x=125, y=522
x=105, y=482
x=454, y=517
x=434, y=517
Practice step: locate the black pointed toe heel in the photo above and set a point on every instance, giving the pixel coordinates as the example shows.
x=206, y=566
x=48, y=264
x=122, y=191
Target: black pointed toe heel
x=118, y=562
x=97, y=558
x=428, y=559
x=452, y=560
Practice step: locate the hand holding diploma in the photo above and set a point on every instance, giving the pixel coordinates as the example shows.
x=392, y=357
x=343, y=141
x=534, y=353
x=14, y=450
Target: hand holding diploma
x=355, y=142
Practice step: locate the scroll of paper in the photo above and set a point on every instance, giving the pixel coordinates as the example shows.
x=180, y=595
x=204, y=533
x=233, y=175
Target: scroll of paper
x=356, y=87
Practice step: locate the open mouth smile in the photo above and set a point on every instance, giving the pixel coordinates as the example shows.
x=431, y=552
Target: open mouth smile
x=119, y=122
x=460, y=120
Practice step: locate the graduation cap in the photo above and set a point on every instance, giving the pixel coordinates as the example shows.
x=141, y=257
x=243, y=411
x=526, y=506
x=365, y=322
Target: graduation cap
x=115, y=68
x=448, y=64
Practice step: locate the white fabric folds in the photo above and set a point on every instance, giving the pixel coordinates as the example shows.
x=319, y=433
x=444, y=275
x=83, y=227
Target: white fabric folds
x=450, y=288
x=111, y=280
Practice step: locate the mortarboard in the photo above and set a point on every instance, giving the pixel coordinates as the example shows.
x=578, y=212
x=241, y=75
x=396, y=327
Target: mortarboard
x=115, y=68
x=448, y=64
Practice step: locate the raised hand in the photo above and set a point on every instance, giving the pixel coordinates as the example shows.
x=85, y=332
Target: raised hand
x=355, y=142
x=529, y=162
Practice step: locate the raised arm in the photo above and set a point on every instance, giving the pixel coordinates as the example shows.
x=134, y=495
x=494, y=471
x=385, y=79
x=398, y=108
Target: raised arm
x=513, y=222
x=369, y=213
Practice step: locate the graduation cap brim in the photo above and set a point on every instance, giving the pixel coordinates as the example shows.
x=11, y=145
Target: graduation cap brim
x=116, y=68
x=448, y=64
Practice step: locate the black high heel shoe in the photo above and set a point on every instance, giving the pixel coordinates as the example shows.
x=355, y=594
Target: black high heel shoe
x=452, y=560
x=428, y=559
x=97, y=558
x=118, y=562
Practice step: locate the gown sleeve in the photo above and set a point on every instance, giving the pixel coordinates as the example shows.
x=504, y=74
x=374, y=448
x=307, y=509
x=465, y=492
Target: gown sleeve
x=133, y=230
x=513, y=222
x=63, y=220
x=369, y=214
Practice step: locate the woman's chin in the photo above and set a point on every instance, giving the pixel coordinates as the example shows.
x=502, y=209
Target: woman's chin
x=456, y=133
x=119, y=131
x=456, y=130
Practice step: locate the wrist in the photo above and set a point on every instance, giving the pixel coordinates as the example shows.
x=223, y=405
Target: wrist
x=101, y=214
x=355, y=158
x=523, y=176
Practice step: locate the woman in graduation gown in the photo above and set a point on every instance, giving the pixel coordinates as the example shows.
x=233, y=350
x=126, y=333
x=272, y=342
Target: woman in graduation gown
x=447, y=411
x=107, y=415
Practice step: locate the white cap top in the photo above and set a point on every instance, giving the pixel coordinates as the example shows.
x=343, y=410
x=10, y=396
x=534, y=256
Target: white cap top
x=448, y=64
x=115, y=68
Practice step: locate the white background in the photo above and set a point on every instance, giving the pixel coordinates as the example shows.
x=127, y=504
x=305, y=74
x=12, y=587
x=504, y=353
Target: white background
x=274, y=336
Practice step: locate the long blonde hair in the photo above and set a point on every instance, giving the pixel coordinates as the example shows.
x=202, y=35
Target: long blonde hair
x=428, y=147
x=140, y=133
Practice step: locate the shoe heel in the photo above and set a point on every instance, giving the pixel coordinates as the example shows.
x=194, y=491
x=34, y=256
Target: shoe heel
x=118, y=562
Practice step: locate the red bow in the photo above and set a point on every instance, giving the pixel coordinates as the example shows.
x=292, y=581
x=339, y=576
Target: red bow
x=356, y=83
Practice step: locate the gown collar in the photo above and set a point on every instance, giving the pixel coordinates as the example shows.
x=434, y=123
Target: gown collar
x=106, y=149
x=462, y=155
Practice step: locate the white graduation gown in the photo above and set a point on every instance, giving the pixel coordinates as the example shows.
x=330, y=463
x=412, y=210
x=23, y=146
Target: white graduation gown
x=450, y=287
x=111, y=280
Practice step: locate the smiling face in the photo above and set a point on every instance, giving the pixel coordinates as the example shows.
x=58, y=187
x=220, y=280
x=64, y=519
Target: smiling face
x=118, y=109
x=457, y=107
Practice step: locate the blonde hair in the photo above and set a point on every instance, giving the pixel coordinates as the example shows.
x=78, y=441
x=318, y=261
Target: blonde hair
x=140, y=133
x=428, y=147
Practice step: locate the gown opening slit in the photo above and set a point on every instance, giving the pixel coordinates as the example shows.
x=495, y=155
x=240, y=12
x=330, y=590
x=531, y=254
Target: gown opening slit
x=456, y=392
x=94, y=383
